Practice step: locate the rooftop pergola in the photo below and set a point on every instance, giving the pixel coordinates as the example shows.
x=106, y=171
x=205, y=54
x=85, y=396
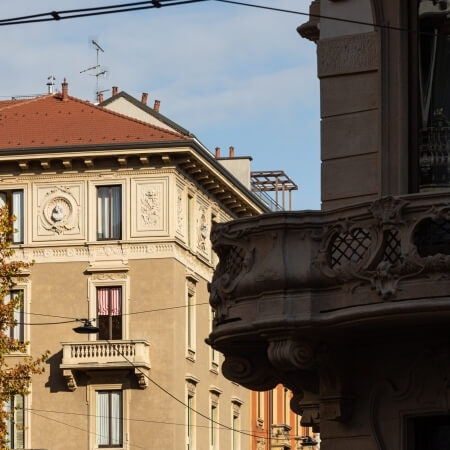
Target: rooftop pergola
x=274, y=181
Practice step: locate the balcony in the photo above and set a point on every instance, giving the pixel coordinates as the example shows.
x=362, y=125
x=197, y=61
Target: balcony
x=100, y=355
x=294, y=291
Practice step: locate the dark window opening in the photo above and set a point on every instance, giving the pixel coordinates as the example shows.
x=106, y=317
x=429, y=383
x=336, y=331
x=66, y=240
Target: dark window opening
x=433, y=92
x=430, y=433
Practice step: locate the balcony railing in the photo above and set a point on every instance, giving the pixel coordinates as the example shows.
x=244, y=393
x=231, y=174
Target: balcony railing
x=93, y=355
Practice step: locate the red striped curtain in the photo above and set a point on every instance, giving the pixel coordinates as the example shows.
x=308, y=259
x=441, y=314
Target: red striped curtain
x=109, y=301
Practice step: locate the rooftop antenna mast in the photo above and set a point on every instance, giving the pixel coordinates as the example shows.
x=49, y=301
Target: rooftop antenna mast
x=51, y=83
x=99, y=70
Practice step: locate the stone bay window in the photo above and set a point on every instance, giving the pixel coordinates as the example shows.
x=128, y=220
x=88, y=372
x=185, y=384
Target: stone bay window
x=349, y=306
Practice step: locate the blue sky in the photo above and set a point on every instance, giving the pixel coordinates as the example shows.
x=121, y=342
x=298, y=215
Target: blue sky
x=232, y=75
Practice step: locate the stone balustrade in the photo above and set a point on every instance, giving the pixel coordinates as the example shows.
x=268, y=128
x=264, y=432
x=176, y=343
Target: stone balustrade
x=117, y=354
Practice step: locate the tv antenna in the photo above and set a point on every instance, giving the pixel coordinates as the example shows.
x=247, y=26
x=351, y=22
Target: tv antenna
x=100, y=71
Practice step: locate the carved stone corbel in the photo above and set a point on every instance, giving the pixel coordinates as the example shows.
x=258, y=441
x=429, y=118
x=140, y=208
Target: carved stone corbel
x=71, y=382
x=310, y=30
x=141, y=378
x=255, y=374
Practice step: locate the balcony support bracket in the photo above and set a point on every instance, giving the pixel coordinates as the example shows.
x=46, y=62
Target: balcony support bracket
x=71, y=381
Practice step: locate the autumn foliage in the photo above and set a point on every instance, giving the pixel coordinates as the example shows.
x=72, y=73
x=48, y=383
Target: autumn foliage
x=15, y=371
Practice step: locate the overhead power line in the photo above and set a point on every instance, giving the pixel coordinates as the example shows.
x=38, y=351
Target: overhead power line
x=79, y=428
x=150, y=4
x=76, y=319
x=174, y=397
x=95, y=11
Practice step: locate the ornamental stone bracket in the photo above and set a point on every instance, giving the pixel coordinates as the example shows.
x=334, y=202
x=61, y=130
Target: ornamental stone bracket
x=291, y=289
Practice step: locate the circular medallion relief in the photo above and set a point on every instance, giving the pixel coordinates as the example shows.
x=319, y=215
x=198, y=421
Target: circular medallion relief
x=58, y=213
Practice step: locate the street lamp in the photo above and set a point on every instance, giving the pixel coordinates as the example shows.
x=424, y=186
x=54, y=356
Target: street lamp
x=87, y=327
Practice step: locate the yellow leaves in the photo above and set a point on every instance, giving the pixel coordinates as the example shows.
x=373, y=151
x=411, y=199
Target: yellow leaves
x=15, y=379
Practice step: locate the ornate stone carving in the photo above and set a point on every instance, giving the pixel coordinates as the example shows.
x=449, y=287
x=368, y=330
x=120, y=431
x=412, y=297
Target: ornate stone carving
x=290, y=354
x=141, y=378
x=59, y=210
x=104, y=276
x=310, y=30
x=70, y=379
x=202, y=234
x=151, y=207
x=180, y=212
x=247, y=372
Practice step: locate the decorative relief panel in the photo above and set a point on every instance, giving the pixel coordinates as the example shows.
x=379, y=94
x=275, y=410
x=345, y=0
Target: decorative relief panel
x=181, y=212
x=58, y=212
x=203, y=230
x=149, y=214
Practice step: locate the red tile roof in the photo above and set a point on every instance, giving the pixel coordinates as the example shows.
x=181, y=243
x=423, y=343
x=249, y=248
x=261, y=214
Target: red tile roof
x=50, y=121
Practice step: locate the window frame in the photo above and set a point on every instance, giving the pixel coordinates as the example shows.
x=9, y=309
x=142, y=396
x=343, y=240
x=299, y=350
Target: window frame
x=92, y=399
x=111, y=215
x=11, y=424
x=191, y=317
x=109, y=315
x=118, y=279
x=9, y=202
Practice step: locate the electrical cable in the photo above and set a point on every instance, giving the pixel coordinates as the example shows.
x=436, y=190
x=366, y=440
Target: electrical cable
x=129, y=419
x=128, y=7
x=95, y=11
x=182, y=402
x=11, y=324
x=124, y=314
x=318, y=16
x=79, y=428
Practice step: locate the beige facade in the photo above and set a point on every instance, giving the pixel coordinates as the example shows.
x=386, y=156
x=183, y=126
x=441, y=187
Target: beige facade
x=160, y=262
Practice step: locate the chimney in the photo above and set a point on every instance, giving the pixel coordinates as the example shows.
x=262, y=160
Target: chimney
x=144, y=98
x=65, y=91
x=231, y=152
x=217, y=152
x=156, y=106
x=100, y=97
x=114, y=90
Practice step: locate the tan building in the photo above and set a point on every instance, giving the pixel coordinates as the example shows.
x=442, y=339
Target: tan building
x=349, y=306
x=116, y=214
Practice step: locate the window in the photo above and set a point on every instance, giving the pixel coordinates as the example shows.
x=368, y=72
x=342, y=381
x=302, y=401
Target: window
x=14, y=201
x=190, y=318
x=109, y=418
x=213, y=424
x=109, y=212
x=213, y=353
x=235, y=425
x=431, y=57
x=190, y=422
x=235, y=432
x=17, y=332
x=15, y=424
x=109, y=312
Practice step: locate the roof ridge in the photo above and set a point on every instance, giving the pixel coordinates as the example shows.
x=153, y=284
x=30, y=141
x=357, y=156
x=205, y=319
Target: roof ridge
x=15, y=103
x=123, y=116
